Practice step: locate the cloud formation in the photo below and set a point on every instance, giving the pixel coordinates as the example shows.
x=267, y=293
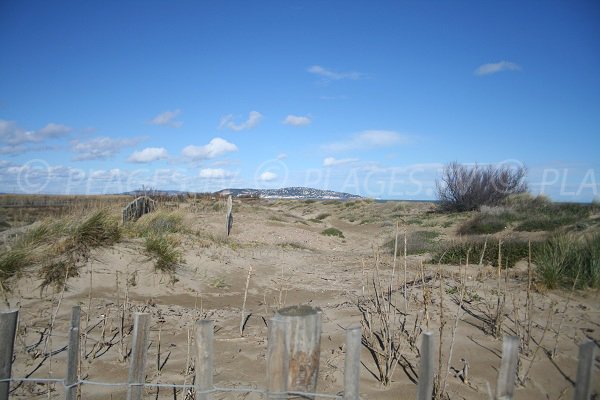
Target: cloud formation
x=215, y=173
x=13, y=135
x=254, y=118
x=489, y=69
x=296, y=120
x=334, y=75
x=267, y=176
x=366, y=140
x=216, y=147
x=100, y=148
x=332, y=162
x=167, y=118
x=149, y=154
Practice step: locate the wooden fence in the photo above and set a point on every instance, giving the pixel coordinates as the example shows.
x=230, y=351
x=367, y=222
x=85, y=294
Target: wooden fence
x=292, y=360
x=138, y=207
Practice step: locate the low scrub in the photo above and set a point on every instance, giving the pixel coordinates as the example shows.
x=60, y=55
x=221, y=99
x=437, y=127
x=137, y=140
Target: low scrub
x=467, y=188
x=333, y=232
x=540, y=214
x=164, y=249
x=160, y=223
x=486, y=252
x=418, y=242
x=482, y=224
x=322, y=216
x=566, y=260
x=59, y=247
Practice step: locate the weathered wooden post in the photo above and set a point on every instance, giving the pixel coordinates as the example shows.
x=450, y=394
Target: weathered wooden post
x=508, y=368
x=139, y=351
x=585, y=368
x=229, y=216
x=304, y=347
x=8, y=329
x=425, y=385
x=277, y=359
x=73, y=356
x=352, y=363
x=204, y=359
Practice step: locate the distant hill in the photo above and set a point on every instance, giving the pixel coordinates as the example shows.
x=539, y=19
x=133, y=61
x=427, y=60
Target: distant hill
x=301, y=193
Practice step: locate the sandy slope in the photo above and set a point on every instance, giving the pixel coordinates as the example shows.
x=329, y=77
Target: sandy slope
x=293, y=264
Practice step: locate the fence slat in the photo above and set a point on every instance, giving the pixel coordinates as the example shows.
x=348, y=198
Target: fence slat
x=229, y=216
x=352, y=363
x=73, y=355
x=508, y=368
x=304, y=347
x=8, y=329
x=137, y=374
x=425, y=385
x=204, y=359
x=585, y=367
x=277, y=359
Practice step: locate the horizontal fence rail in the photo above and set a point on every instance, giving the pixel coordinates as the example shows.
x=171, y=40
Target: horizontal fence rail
x=291, y=329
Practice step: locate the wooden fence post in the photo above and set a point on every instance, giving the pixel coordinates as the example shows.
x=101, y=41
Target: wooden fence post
x=585, y=368
x=73, y=356
x=204, y=359
x=229, y=216
x=139, y=350
x=8, y=329
x=352, y=363
x=508, y=368
x=425, y=385
x=277, y=359
x=304, y=347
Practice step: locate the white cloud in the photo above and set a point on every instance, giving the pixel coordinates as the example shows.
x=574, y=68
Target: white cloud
x=296, y=120
x=214, y=148
x=13, y=135
x=489, y=69
x=167, y=118
x=331, y=161
x=282, y=156
x=12, y=149
x=53, y=130
x=333, y=75
x=267, y=176
x=366, y=140
x=215, y=173
x=149, y=154
x=254, y=118
x=100, y=148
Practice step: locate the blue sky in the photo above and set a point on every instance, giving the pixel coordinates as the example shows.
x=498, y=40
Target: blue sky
x=371, y=98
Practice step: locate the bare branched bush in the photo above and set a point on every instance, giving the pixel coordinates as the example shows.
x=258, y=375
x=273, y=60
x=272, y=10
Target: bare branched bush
x=464, y=188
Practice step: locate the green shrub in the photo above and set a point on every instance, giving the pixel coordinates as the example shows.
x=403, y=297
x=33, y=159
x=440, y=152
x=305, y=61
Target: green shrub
x=565, y=260
x=542, y=223
x=159, y=223
x=12, y=261
x=511, y=252
x=333, y=232
x=58, y=245
x=551, y=216
x=418, y=242
x=557, y=261
x=97, y=230
x=482, y=224
x=164, y=250
x=591, y=261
